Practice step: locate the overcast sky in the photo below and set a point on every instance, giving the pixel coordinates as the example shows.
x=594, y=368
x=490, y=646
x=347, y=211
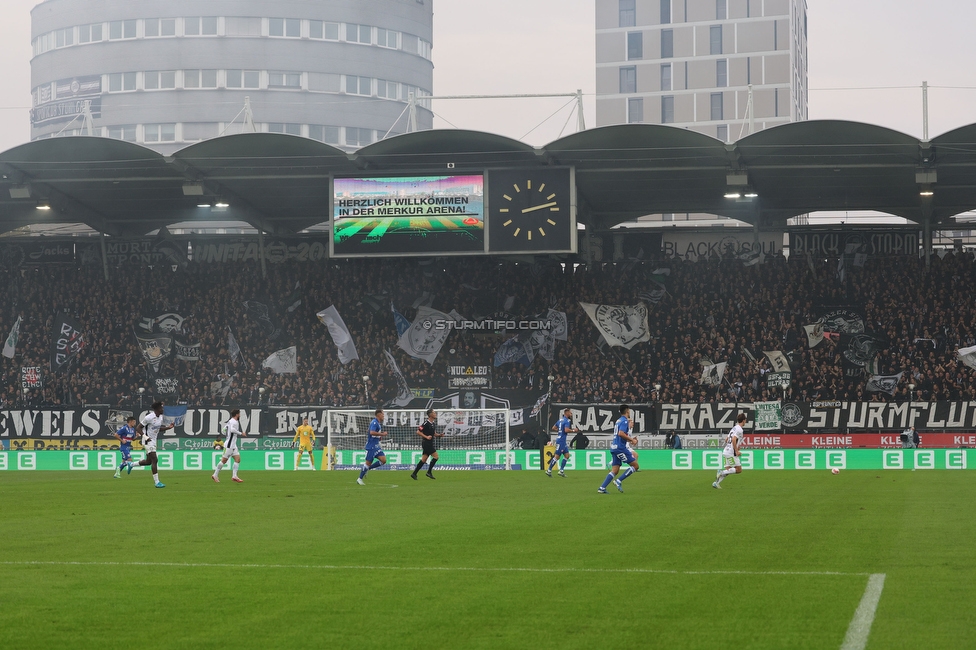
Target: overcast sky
x=547, y=46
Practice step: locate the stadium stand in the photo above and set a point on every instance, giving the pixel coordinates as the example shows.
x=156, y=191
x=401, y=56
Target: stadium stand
x=714, y=309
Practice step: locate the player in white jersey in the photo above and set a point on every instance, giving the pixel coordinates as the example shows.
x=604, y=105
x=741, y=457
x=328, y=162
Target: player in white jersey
x=731, y=453
x=232, y=432
x=148, y=429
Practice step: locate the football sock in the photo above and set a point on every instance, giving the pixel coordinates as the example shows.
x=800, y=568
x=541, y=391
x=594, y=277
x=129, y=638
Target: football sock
x=720, y=478
x=562, y=464
x=122, y=466
x=420, y=466
x=156, y=477
x=220, y=466
x=376, y=463
x=363, y=471
x=607, y=480
x=552, y=463
x=430, y=468
x=234, y=468
x=630, y=470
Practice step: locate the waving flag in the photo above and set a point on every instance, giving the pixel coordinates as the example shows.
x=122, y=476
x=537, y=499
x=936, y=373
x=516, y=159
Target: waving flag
x=620, y=325
x=340, y=334
x=67, y=341
x=282, y=362
x=10, y=346
x=399, y=321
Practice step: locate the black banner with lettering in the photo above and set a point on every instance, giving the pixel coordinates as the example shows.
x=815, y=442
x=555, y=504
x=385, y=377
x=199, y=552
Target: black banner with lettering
x=797, y=417
x=468, y=375
x=868, y=242
x=276, y=250
x=593, y=420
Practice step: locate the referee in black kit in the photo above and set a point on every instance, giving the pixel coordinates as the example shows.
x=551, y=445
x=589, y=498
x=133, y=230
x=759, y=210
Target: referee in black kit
x=427, y=432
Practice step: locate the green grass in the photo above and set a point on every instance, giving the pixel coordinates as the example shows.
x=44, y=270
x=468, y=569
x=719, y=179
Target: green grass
x=915, y=527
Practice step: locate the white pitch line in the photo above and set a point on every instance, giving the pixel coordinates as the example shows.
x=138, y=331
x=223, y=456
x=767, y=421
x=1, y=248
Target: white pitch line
x=337, y=567
x=860, y=627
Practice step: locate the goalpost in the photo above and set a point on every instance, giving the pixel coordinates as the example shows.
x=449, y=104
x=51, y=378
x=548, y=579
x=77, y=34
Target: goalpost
x=479, y=434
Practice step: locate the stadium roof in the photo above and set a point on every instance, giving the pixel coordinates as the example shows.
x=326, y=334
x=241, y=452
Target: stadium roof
x=280, y=183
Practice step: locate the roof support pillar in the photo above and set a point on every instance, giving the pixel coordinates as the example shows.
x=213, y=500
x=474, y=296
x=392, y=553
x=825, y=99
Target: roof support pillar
x=264, y=267
x=927, y=229
x=104, y=256
x=927, y=241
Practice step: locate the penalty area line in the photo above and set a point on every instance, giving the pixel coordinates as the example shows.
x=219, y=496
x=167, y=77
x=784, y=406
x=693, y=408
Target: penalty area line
x=339, y=567
x=860, y=628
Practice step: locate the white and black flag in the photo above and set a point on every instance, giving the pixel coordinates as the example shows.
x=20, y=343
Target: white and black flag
x=968, y=356
x=778, y=361
x=340, y=334
x=620, y=325
x=544, y=344
x=782, y=374
x=154, y=347
x=221, y=386
x=67, y=340
x=404, y=395
x=282, y=362
x=815, y=334
x=560, y=327
x=167, y=323
x=233, y=349
x=712, y=374
x=424, y=339
x=884, y=383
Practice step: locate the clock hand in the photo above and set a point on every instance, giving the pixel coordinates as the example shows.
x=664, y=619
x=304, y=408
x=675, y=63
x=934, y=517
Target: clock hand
x=539, y=207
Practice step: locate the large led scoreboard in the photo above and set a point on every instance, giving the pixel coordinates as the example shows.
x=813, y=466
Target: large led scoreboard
x=494, y=211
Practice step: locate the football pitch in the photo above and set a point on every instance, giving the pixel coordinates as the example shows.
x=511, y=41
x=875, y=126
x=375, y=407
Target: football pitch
x=493, y=559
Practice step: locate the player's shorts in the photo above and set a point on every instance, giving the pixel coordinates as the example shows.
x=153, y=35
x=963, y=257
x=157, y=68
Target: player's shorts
x=428, y=447
x=621, y=456
x=149, y=445
x=305, y=446
x=231, y=450
x=373, y=452
x=126, y=452
x=562, y=448
x=731, y=461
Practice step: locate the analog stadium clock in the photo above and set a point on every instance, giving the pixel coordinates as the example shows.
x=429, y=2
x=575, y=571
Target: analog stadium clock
x=531, y=210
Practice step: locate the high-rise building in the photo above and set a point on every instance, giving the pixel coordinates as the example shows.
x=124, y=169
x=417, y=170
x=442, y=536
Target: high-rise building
x=167, y=74
x=691, y=63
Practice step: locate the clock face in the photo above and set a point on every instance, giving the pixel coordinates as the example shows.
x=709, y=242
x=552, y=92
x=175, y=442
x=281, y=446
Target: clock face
x=530, y=210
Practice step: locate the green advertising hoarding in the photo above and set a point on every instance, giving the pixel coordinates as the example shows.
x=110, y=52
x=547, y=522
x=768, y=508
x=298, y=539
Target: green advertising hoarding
x=698, y=459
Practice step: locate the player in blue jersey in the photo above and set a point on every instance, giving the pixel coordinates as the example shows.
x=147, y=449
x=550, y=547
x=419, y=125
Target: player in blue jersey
x=374, y=453
x=620, y=452
x=125, y=435
x=562, y=427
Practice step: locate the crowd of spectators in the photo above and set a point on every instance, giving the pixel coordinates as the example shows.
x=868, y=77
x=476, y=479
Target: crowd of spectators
x=714, y=309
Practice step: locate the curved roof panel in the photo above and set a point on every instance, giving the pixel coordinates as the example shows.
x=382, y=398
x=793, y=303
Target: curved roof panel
x=434, y=150
x=281, y=183
x=832, y=165
x=282, y=179
x=629, y=170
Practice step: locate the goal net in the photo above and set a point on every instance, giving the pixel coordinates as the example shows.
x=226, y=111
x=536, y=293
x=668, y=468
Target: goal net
x=472, y=437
